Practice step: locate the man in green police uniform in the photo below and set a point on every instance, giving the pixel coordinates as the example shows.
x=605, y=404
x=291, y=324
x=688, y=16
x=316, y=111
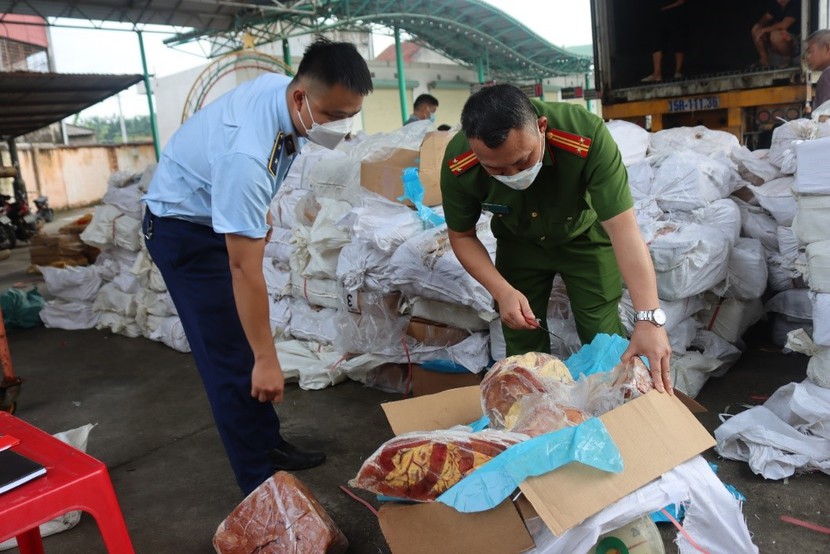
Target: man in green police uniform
x=554, y=180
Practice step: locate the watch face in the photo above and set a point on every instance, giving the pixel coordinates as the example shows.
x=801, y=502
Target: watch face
x=659, y=317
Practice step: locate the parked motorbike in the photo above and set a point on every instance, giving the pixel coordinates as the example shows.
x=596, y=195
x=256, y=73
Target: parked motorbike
x=24, y=221
x=44, y=212
x=8, y=236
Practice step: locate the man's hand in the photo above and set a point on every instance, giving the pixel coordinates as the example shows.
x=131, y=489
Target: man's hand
x=267, y=382
x=515, y=311
x=653, y=343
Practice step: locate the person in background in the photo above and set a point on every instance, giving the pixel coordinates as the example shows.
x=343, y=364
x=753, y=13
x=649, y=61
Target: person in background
x=553, y=178
x=672, y=34
x=779, y=29
x=817, y=57
x=206, y=224
x=444, y=127
x=424, y=108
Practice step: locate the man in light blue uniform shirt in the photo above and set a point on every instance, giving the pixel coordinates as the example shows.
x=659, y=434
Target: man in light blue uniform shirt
x=206, y=225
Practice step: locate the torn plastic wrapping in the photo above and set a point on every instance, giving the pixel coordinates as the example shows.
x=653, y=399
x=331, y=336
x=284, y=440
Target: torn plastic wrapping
x=786, y=137
x=420, y=466
x=281, y=516
x=125, y=190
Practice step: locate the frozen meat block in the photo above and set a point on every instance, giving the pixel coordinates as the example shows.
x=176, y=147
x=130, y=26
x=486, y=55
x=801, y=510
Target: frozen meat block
x=280, y=516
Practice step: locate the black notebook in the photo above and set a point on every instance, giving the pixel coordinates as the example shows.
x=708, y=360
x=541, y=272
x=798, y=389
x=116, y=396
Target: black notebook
x=16, y=470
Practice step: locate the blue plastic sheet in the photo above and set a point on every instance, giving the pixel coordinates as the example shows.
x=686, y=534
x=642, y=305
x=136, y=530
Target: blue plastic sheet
x=487, y=486
x=480, y=424
x=413, y=191
x=601, y=355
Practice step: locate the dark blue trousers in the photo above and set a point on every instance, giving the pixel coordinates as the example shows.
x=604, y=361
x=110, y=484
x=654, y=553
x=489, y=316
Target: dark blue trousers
x=193, y=260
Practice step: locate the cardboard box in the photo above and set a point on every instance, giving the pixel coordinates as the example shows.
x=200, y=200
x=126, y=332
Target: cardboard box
x=654, y=433
x=432, y=158
x=432, y=333
x=385, y=177
x=425, y=382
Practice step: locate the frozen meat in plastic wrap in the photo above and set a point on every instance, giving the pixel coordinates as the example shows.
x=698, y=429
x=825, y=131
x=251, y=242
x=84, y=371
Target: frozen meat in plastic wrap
x=539, y=413
x=422, y=465
x=511, y=378
x=281, y=516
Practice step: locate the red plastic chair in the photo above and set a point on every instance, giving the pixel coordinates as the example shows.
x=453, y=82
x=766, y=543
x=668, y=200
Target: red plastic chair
x=73, y=481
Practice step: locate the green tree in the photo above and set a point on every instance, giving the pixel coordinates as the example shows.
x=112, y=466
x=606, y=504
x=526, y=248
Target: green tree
x=108, y=128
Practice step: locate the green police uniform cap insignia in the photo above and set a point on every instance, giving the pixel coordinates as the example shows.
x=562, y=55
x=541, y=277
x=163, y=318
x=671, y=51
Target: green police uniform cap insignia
x=568, y=142
x=462, y=163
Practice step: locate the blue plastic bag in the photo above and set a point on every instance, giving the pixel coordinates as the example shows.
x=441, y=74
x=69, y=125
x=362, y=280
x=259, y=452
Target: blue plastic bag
x=413, y=191
x=601, y=355
x=487, y=486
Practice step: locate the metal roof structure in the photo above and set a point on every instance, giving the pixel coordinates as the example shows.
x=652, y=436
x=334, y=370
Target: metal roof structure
x=471, y=32
x=30, y=100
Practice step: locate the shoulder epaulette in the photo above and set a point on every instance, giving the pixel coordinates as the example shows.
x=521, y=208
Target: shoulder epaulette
x=569, y=142
x=462, y=163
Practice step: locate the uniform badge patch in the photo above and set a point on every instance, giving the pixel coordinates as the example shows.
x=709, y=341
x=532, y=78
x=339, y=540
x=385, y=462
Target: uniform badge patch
x=462, y=163
x=569, y=142
x=276, y=150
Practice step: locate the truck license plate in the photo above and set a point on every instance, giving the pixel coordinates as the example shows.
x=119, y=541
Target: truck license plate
x=694, y=104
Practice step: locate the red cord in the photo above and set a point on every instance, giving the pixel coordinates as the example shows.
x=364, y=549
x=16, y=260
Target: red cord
x=683, y=532
x=353, y=495
x=714, y=315
x=806, y=525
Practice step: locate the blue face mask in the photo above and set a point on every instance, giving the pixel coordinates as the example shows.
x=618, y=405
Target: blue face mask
x=432, y=117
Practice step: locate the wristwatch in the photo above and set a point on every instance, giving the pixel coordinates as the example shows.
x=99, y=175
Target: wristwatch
x=657, y=317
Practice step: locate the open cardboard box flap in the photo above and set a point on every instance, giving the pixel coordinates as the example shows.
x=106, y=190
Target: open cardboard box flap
x=654, y=433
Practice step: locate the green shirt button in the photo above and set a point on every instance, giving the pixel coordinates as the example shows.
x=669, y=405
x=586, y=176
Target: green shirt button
x=542, y=237
x=534, y=214
x=569, y=218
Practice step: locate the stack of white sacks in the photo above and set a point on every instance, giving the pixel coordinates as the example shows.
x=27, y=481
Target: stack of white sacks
x=347, y=268
x=123, y=291
x=810, y=226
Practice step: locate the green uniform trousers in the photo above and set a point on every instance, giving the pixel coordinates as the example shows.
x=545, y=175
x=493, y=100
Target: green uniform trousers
x=591, y=275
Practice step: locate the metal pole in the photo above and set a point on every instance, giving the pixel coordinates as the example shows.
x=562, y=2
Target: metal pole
x=286, y=56
x=480, y=70
x=401, y=76
x=18, y=185
x=121, y=119
x=149, y=91
x=587, y=86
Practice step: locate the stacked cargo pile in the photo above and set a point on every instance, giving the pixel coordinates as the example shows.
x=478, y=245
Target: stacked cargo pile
x=812, y=186
x=358, y=280
x=64, y=248
x=123, y=291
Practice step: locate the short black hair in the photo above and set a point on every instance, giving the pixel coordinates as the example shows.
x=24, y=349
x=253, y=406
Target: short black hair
x=490, y=114
x=444, y=127
x=334, y=63
x=427, y=99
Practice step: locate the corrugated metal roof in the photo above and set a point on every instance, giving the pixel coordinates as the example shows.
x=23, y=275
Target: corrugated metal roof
x=30, y=101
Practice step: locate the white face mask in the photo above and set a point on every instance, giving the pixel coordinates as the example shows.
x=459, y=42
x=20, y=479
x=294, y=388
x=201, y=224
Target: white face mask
x=327, y=135
x=432, y=117
x=524, y=178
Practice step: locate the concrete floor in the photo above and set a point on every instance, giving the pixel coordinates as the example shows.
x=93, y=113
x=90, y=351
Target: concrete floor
x=155, y=433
